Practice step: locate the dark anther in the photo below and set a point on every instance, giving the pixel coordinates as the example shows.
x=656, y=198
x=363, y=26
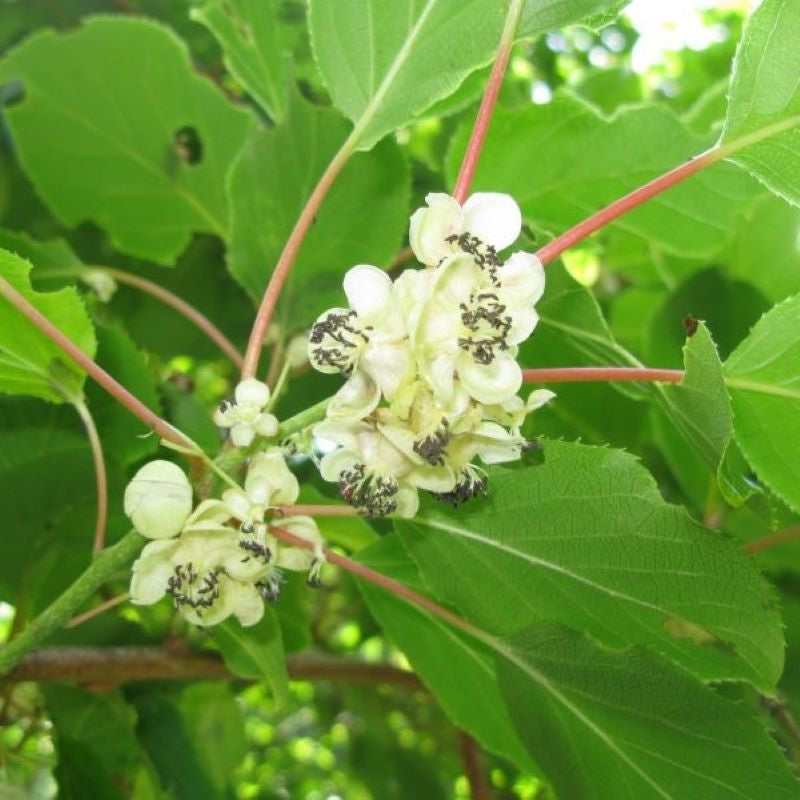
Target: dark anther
x=432, y=446
x=187, y=145
x=690, y=325
x=258, y=550
x=470, y=484
x=371, y=494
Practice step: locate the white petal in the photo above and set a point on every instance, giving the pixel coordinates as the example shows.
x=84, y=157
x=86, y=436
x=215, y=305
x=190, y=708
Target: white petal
x=431, y=226
x=494, y=218
x=537, y=398
x=387, y=364
x=242, y=434
x=456, y=280
x=158, y=500
x=522, y=279
x=407, y=502
x=357, y=397
x=434, y=479
x=440, y=373
x=523, y=323
x=149, y=579
x=343, y=431
x=490, y=383
x=296, y=559
x=368, y=290
x=266, y=424
x=248, y=606
x=251, y=390
x=237, y=503
x=332, y=465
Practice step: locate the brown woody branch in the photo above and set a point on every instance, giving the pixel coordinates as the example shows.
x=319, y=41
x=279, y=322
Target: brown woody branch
x=118, y=665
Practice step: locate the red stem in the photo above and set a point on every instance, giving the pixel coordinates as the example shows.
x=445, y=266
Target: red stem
x=389, y=584
x=287, y=258
x=96, y=372
x=488, y=103
x=554, y=249
x=101, y=479
x=98, y=609
x=586, y=374
x=317, y=510
x=182, y=307
x=757, y=545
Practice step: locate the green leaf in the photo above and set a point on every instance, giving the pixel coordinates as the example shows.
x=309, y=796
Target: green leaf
x=459, y=671
x=386, y=63
x=764, y=98
x=98, y=755
x=249, y=34
x=540, y=16
x=763, y=376
x=141, y=149
x=700, y=409
x=29, y=362
x=563, y=161
x=124, y=437
x=586, y=540
x=628, y=726
x=269, y=186
x=255, y=652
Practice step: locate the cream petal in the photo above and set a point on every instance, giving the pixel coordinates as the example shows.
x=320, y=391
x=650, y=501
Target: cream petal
x=439, y=371
x=358, y=397
x=158, y=500
x=242, y=434
x=237, y=503
x=368, y=290
x=248, y=606
x=433, y=478
x=295, y=558
x=430, y=227
x=254, y=391
x=266, y=424
x=523, y=324
x=456, y=280
x=149, y=579
x=490, y=383
x=537, y=398
x=387, y=365
x=332, y=465
x=494, y=218
x=407, y=499
x=522, y=279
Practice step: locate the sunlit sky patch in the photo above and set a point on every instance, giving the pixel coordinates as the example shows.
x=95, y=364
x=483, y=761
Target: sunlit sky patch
x=667, y=25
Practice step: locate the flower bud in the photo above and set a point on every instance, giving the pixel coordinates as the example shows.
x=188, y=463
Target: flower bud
x=158, y=500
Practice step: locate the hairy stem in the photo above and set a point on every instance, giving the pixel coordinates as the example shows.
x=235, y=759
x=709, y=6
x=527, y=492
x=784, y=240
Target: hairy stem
x=757, y=545
x=474, y=769
x=96, y=372
x=117, y=665
x=554, y=249
x=101, y=478
x=172, y=300
x=384, y=582
x=586, y=374
x=484, y=117
x=306, y=418
x=289, y=255
x=105, y=566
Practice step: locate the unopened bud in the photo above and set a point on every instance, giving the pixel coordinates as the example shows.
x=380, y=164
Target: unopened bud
x=158, y=500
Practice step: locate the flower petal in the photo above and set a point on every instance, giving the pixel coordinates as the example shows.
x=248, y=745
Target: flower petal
x=537, y=398
x=431, y=226
x=251, y=390
x=494, y=218
x=522, y=280
x=368, y=290
x=358, y=397
x=242, y=434
x=407, y=499
x=490, y=383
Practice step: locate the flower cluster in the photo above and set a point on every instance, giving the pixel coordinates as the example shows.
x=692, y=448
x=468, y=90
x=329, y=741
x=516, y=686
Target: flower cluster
x=430, y=360
x=220, y=558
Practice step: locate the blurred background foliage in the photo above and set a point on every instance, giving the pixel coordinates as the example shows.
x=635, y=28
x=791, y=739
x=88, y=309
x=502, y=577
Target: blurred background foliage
x=332, y=740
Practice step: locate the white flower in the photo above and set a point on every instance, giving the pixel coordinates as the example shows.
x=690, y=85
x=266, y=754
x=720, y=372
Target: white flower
x=245, y=414
x=158, y=500
x=471, y=324
x=374, y=474
x=367, y=341
x=191, y=570
x=486, y=223
x=269, y=482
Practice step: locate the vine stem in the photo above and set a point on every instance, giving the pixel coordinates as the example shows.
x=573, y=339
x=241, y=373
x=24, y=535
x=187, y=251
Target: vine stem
x=488, y=102
x=317, y=510
x=757, y=545
x=94, y=370
x=105, y=566
x=101, y=478
x=384, y=582
x=586, y=374
x=194, y=315
x=472, y=761
x=579, y=232
x=287, y=258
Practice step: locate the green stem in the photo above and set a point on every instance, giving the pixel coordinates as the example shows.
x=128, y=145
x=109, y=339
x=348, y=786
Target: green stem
x=107, y=564
x=301, y=421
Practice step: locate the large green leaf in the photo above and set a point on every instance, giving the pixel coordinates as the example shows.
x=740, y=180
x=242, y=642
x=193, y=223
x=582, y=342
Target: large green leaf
x=255, y=652
x=627, y=726
x=563, y=161
x=249, y=34
x=458, y=670
x=29, y=362
x=386, y=63
x=765, y=97
x=763, y=376
x=540, y=16
x=269, y=186
x=116, y=127
x=586, y=540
